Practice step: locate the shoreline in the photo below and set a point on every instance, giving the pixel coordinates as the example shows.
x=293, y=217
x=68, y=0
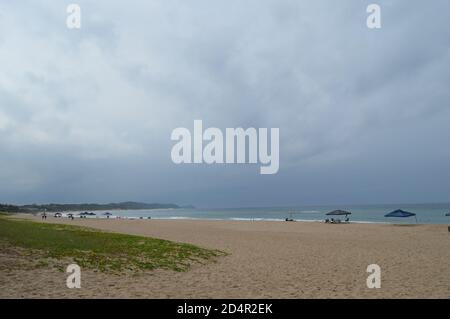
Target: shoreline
x=256, y=219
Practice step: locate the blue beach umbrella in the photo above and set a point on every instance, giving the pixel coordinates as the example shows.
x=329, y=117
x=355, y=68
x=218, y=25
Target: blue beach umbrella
x=400, y=213
x=339, y=213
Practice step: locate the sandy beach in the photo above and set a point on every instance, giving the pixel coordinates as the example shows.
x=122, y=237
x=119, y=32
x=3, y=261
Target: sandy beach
x=266, y=260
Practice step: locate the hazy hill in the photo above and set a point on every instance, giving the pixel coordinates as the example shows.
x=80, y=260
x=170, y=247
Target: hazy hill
x=86, y=206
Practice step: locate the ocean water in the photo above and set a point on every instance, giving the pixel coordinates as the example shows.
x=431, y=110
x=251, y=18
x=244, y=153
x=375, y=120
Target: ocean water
x=426, y=213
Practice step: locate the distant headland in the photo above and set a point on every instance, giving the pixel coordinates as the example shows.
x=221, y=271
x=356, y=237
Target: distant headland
x=83, y=207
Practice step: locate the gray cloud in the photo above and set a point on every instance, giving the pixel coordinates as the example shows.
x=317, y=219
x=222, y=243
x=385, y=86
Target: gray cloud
x=86, y=115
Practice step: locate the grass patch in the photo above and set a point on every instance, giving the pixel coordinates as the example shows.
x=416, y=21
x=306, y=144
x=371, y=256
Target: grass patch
x=105, y=251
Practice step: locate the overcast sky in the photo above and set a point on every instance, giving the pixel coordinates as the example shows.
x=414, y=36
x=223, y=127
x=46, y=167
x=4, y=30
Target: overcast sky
x=86, y=115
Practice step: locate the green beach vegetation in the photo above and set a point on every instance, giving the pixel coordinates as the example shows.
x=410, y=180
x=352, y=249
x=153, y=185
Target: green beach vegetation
x=98, y=250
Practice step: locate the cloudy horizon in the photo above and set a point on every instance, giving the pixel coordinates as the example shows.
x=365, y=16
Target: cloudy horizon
x=86, y=114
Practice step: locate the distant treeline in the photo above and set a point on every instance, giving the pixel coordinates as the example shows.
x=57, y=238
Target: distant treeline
x=10, y=208
x=82, y=207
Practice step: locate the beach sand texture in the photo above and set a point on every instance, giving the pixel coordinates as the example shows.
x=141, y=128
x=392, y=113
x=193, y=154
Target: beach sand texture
x=266, y=260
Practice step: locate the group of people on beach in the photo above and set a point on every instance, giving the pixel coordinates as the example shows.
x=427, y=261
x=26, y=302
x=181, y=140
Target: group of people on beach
x=44, y=216
x=336, y=221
